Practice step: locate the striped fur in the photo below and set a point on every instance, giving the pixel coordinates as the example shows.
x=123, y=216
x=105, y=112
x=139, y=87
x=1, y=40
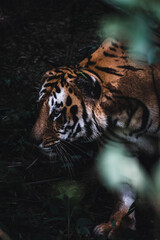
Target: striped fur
x=107, y=91
x=108, y=94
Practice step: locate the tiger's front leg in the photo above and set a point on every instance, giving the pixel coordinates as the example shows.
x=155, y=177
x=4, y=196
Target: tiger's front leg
x=120, y=219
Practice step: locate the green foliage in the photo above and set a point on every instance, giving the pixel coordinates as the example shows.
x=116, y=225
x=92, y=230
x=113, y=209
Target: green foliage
x=69, y=195
x=71, y=191
x=117, y=166
x=135, y=25
x=153, y=55
x=150, y=8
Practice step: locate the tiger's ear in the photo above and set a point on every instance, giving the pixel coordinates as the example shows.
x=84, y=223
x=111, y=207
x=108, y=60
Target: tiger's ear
x=89, y=85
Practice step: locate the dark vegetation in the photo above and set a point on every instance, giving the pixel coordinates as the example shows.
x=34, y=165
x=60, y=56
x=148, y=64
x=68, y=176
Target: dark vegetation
x=43, y=198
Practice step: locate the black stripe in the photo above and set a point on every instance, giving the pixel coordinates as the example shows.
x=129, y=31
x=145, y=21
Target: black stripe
x=100, y=129
x=112, y=49
x=70, y=75
x=108, y=70
x=88, y=124
x=90, y=62
x=68, y=127
x=124, y=48
x=66, y=68
x=88, y=128
x=109, y=98
x=54, y=77
x=84, y=115
x=57, y=70
x=43, y=91
x=73, y=110
x=69, y=101
x=50, y=84
x=133, y=111
x=157, y=94
x=63, y=80
x=54, y=94
x=50, y=78
x=113, y=90
x=64, y=115
x=75, y=119
x=77, y=130
x=115, y=45
x=124, y=57
x=94, y=74
x=128, y=67
x=111, y=123
x=109, y=54
x=58, y=90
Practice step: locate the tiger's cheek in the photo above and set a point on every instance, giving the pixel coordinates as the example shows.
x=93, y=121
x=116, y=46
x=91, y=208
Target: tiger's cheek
x=78, y=126
x=64, y=124
x=71, y=127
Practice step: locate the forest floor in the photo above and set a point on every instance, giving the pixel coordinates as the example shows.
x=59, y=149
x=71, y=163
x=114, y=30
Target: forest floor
x=39, y=197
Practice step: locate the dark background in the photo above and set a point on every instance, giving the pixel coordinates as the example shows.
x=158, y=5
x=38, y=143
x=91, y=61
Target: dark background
x=34, y=37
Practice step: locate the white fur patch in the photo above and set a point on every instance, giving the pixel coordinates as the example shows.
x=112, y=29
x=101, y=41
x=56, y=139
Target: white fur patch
x=127, y=194
x=128, y=201
x=61, y=96
x=52, y=101
x=93, y=78
x=51, y=106
x=41, y=93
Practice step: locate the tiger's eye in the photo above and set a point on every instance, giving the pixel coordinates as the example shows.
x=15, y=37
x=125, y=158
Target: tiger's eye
x=56, y=112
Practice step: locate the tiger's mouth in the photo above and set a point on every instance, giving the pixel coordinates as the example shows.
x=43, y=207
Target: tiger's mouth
x=48, y=150
x=69, y=152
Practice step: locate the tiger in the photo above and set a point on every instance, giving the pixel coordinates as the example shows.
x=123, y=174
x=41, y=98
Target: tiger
x=110, y=93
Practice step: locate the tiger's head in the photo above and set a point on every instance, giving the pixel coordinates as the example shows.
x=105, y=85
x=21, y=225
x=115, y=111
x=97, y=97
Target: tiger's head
x=70, y=108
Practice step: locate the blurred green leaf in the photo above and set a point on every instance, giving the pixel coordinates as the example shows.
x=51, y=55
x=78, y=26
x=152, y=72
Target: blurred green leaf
x=135, y=27
x=123, y=3
x=117, y=166
x=71, y=190
x=124, y=28
x=156, y=180
x=154, y=55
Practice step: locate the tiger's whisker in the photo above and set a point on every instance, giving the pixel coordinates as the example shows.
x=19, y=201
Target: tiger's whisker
x=67, y=159
x=61, y=155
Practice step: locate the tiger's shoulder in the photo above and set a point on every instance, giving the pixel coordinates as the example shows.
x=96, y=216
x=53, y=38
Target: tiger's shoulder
x=114, y=58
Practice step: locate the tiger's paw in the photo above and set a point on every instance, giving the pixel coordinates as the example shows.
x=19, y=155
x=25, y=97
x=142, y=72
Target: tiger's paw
x=116, y=227
x=102, y=229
